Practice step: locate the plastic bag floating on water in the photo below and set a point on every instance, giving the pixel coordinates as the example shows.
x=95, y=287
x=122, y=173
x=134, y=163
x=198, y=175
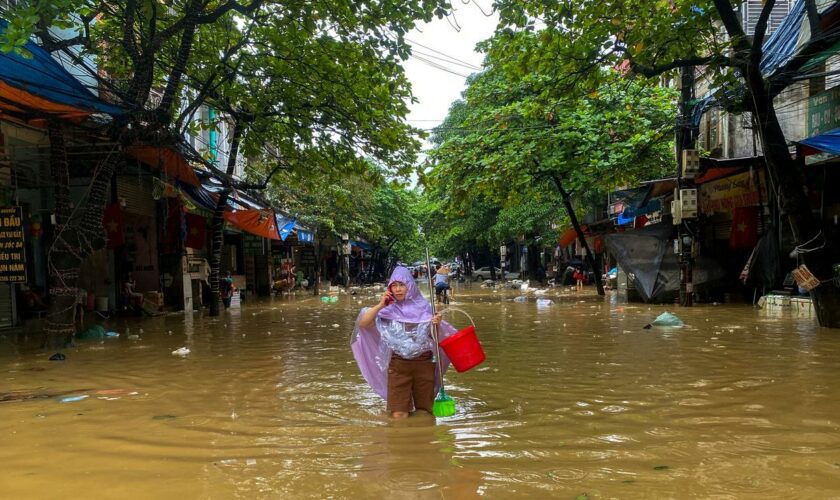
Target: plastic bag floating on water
x=73, y=399
x=667, y=319
x=183, y=351
x=544, y=302
x=521, y=298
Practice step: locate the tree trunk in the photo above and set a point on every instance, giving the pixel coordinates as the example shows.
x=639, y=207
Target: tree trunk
x=217, y=225
x=63, y=264
x=77, y=233
x=217, y=239
x=533, y=261
x=345, y=270
x=567, y=202
x=492, y=260
x=181, y=58
x=317, y=288
x=785, y=173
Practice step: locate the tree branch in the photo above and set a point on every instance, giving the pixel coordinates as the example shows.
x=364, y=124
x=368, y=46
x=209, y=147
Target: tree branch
x=209, y=18
x=280, y=166
x=214, y=16
x=732, y=25
x=783, y=76
x=813, y=16
x=128, y=30
x=53, y=45
x=651, y=71
x=761, y=28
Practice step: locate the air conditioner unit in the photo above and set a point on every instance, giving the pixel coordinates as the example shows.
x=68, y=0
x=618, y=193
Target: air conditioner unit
x=688, y=203
x=690, y=163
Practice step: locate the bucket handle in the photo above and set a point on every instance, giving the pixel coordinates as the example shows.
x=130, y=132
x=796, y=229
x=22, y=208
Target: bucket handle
x=455, y=309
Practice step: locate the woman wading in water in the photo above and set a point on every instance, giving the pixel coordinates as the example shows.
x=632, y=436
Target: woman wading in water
x=394, y=347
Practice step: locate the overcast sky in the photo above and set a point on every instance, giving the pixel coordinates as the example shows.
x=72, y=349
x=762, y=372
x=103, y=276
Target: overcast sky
x=443, y=56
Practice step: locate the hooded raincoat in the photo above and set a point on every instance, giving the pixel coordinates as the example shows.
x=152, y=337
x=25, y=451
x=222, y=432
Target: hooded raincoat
x=373, y=355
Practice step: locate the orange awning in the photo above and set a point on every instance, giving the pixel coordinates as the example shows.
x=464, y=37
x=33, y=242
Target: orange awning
x=20, y=102
x=569, y=236
x=172, y=162
x=258, y=222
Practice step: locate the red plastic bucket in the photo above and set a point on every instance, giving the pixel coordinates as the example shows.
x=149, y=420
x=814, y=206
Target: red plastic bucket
x=463, y=349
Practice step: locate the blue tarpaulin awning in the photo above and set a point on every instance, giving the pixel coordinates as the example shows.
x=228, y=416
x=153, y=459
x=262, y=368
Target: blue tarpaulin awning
x=785, y=43
x=792, y=35
x=305, y=236
x=648, y=208
x=285, y=225
x=200, y=196
x=829, y=142
x=288, y=224
x=41, y=84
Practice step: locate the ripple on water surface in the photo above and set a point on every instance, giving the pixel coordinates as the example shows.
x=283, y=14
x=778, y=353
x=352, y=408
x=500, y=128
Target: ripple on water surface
x=573, y=399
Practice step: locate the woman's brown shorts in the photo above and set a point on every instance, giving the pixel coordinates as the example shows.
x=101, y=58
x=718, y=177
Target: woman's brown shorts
x=411, y=379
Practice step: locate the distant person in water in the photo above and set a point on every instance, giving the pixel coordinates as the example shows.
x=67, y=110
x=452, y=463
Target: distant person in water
x=578, y=276
x=441, y=278
x=394, y=348
x=226, y=289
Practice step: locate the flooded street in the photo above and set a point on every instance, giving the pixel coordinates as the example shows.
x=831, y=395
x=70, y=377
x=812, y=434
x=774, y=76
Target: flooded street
x=574, y=398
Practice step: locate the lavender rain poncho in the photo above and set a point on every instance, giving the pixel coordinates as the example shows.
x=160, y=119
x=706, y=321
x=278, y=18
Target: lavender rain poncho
x=373, y=354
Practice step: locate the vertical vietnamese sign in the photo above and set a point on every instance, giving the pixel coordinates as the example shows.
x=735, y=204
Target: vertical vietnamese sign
x=12, y=249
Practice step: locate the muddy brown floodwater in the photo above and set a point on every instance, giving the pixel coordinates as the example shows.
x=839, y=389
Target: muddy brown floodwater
x=574, y=400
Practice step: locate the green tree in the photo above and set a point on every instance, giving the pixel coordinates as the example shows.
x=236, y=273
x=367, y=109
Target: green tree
x=521, y=147
x=368, y=206
x=577, y=38
x=319, y=84
x=155, y=49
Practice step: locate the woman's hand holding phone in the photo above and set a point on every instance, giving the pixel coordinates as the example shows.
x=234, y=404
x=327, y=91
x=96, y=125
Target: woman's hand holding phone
x=387, y=298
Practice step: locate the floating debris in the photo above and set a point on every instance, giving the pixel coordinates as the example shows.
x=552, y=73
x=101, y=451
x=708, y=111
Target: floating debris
x=73, y=399
x=666, y=319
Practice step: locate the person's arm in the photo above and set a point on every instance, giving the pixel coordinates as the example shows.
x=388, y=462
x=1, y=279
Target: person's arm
x=369, y=317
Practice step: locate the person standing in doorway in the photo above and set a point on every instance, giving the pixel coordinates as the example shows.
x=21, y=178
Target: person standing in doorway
x=226, y=289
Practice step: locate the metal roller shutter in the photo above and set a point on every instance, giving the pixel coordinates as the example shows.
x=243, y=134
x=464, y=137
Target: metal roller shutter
x=7, y=306
x=137, y=193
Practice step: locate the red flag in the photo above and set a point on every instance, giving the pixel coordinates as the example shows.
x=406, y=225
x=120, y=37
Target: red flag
x=196, y=231
x=744, y=233
x=112, y=222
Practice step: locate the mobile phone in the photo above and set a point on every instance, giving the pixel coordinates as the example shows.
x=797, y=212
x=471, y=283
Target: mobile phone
x=390, y=298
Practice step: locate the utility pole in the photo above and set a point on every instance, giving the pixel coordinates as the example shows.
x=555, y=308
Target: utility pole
x=686, y=227
x=502, y=255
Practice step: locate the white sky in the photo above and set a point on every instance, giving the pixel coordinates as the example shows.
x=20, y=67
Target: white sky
x=437, y=88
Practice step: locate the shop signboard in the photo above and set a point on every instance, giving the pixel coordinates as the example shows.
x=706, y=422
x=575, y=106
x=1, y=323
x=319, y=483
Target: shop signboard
x=12, y=248
x=307, y=256
x=739, y=190
x=824, y=111
x=252, y=244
